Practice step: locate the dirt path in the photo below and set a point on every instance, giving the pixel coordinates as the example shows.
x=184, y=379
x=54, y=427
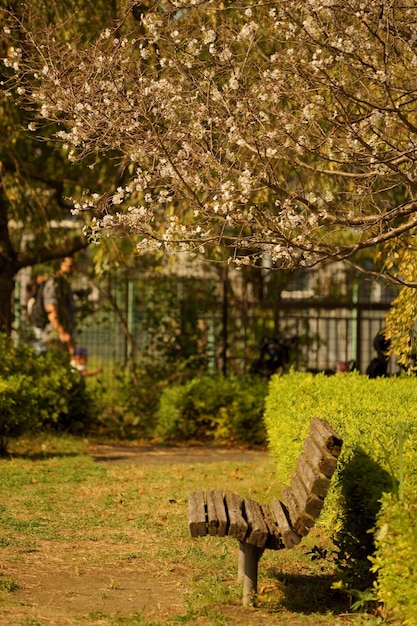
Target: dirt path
x=159, y=455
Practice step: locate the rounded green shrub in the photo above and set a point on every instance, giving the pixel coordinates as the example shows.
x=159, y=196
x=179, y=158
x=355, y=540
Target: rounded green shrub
x=129, y=404
x=213, y=409
x=40, y=392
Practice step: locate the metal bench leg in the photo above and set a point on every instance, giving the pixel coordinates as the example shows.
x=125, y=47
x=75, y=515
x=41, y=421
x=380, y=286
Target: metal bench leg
x=248, y=570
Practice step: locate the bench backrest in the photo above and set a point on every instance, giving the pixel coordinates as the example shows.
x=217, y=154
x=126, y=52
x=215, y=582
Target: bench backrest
x=304, y=498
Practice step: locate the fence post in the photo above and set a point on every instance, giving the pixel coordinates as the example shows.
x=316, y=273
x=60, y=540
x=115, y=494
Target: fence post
x=225, y=318
x=359, y=322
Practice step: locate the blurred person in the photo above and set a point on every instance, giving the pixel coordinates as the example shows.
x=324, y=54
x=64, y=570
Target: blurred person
x=58, y=301
x=35, y=310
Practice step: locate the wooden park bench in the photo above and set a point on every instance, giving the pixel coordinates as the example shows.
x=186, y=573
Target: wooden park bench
x=280, y=525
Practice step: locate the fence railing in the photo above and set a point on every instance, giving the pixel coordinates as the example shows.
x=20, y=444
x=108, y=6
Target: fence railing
x=335, y=332
x=324, y=334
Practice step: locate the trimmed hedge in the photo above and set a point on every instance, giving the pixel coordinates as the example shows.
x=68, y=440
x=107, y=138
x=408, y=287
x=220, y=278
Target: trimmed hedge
x=378, y=421
x=395, y=561
x=370, y=414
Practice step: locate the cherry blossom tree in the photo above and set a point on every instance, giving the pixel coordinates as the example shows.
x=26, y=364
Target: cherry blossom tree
x=282, y=131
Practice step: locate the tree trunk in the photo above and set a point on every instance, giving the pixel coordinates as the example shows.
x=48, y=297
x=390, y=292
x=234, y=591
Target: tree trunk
x=8, y=266
x=6, y=292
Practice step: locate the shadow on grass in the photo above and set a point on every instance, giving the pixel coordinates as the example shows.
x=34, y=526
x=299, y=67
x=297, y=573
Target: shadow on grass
x=39, y=456
x=45, y=445
x=310, y=593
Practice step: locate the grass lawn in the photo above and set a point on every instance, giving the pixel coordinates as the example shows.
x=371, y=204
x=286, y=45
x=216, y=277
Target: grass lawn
x=83, y=542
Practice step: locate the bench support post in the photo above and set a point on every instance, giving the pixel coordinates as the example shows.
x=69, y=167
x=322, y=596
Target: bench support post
x=249, y=556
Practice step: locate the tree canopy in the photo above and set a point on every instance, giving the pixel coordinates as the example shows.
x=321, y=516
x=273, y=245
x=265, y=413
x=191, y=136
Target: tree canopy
x=281, y=130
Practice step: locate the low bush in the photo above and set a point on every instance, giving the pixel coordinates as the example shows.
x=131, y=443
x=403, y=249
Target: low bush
x=17, y=404
x=213, y=409
x=376, y=419
x=129, y=403
x=40, y=392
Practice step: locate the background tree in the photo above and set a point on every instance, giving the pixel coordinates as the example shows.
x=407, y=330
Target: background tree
x=36, y=225
x=284, y=130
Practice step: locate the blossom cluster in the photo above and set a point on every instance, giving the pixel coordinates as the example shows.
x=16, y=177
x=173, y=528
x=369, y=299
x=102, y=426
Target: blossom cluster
x=287, y=130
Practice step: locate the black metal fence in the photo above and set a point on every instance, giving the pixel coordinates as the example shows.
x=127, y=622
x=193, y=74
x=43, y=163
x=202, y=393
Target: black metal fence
x=333, y=333
x=322, y=334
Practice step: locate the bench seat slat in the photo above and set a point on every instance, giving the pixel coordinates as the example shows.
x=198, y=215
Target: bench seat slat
x=197, y=514
x=237, y=524
x=216, y=513
x=325, y=436
x=300, y=521
x=308, y=502
x=319, y=458
x=314, y=482
x=289, y=537
x=274, y=539
x=257, y=529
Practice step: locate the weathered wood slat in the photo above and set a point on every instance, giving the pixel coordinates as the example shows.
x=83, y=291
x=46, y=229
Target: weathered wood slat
x=325, y=436
x=288, y=534
x=216, y=513
x=314, y=482
x=257, y=529
x=319, y=458
x=300, y=522
x=307, y=501
x=237, y=524
x=197, y=514
x=274, y=540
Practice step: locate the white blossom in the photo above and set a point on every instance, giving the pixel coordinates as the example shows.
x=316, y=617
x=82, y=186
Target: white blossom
x=209, y=36
x=247, y=31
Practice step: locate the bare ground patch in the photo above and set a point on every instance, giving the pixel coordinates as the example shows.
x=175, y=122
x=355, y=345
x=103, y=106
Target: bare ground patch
x=53, y=593
x=88, y=586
